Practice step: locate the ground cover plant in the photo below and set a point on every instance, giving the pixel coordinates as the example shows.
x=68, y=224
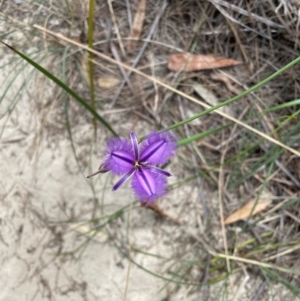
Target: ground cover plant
x=216, y=81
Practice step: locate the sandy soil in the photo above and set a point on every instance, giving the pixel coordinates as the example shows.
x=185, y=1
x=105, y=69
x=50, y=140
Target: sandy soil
x=41, y=186
x=40, y=183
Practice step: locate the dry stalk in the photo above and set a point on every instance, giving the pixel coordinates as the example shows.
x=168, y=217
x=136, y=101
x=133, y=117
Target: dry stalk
x=261, y=134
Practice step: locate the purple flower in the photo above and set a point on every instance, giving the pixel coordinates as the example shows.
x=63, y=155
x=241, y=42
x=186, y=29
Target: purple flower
x=140, y=162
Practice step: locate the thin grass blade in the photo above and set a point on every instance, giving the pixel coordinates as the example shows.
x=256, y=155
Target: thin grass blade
x=65, y=87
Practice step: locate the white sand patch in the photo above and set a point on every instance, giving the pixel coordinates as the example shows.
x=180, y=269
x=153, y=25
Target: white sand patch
x=40, y=182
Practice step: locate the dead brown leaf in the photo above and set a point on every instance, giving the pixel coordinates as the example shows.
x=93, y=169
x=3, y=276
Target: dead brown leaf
x=108, y=82
x=206, y=94
x=244, y=212
x=137, y=25
x=193, y=62
x=223, y=78
x=210, y=98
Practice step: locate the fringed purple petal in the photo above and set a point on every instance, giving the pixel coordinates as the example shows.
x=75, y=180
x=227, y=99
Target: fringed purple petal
x=119, y=156
x=157, y=170
x=158, y=148
x=123, y=179
x=128, y=158
x=148, y=185
x=135, y=145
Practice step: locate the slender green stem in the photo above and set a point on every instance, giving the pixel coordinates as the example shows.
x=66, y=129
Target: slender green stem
x=201, y=135
x=91, y=56
x=63, y=86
